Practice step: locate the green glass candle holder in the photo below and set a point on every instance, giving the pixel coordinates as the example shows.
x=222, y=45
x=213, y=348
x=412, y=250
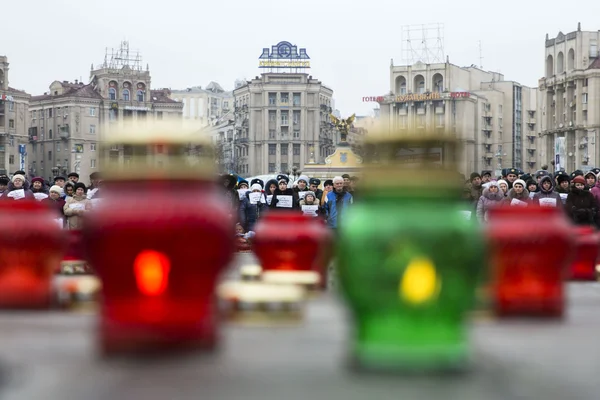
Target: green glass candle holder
x=409, y=263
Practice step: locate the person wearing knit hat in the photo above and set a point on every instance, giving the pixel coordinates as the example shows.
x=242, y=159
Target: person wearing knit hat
x=306, y=204
x=38, y=188
x=18, y=189
x=476, y=188
x=56, y=202
x=252, y=206
x=518, y=195
x=284, y=197
x=562, y=184
x=590, y=180
x=581, y=205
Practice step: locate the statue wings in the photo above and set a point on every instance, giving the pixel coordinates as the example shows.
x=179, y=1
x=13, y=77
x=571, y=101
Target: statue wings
x=335, y=121
x=350, y=120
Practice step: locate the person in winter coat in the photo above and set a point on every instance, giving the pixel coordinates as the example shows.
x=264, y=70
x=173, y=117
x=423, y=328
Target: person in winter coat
x=518, y=195
x=581, y=205
x=491, y=197
x=547, y=196
x=231, y=194
x=284, y=197
x=532, y=187
x=476, y=188
x=38, y=188
x=310, y=199
x=18, y=189
x=590, y=180
x=251, y=211
x=338, y=202
x=75, y=207
x=55, y=202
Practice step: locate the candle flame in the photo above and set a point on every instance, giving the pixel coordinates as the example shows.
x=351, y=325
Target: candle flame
x=419, y=282
x=152, y=272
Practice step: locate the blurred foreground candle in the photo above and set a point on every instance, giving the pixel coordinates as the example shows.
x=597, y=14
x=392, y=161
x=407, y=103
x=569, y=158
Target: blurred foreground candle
x=408, y=260
x=158, y=242
x=530, y=251
x=290, y=241
x=31, y=248
x=583, y=265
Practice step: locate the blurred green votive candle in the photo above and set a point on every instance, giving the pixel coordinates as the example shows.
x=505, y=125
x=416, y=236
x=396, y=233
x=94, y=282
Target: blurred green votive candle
x=409, y=262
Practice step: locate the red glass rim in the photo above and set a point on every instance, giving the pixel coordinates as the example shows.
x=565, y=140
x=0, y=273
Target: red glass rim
x=525, y=211
x=24, y=205
x=584, y=230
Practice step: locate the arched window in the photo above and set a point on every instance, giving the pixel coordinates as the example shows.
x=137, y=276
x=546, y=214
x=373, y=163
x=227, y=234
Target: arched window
x=400, y=85
x=140, y=96
x=438, y=83
x=419, y=84
x=112, y=94
x=549, y=66
x=571, y=60
x=560, y=63
x=126, y=94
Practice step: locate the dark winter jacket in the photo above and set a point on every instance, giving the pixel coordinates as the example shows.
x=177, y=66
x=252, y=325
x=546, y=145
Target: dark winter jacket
x=286, y=192
x=581, y=206
x=546, y=194
x=250, y=213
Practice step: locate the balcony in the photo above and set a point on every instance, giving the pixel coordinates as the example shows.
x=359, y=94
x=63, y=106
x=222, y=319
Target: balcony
x=489, y=155
x=243, y=140
x=65, y=132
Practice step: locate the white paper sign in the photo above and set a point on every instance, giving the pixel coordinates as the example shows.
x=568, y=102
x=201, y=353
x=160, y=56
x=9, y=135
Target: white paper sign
x=310, y=210
x=466, y=214
x=285, y=201
x=17, y=194
x=255, y=197
x=59, y=222
x=547, y=202
x=531, y=194
x=269, y=198
x=518, y=203
x=77, y=206
x=301, y=195
x=242, y=193
x=40, y=196
x=563, y=196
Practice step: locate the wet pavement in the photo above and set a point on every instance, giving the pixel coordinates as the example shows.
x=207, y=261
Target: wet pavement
x=52, y=356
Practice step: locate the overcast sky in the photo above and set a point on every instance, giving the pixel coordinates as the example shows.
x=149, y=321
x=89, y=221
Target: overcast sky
x=189, y=43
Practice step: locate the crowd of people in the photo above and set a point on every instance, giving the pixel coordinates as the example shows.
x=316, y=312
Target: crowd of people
x=249, y=201
x=70, y=198
x=577, y=193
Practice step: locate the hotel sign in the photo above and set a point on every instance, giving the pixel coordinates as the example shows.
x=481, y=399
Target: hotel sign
x=284, y=55
x=419, y=97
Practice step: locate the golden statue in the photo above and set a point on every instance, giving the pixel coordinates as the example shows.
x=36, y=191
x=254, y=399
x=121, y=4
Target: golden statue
x=343, y=126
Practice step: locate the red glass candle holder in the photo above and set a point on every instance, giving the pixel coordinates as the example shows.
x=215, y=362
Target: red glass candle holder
x=158, y=256
x=74, y=258
x=583, y=265
x=31, y=247
x=290, y=241
x=530, y=250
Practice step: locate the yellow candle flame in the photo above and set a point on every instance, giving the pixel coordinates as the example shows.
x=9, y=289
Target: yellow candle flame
x=419, y=283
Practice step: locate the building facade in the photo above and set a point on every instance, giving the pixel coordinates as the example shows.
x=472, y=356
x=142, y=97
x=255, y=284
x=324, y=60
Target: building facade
x=68, y=122
x=208, y=106
x=491, y=118
x=14, y=105
x=569, y=104
x=282, y=120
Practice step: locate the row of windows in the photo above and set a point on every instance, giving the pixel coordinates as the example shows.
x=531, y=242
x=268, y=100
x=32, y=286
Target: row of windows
x=284, y=132
x=49, y=112
x=112, y=95
x=284, y=98
x=284, y=149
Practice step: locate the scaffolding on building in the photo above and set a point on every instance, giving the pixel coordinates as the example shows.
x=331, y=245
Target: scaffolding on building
x=122, y=58
x=424, y=43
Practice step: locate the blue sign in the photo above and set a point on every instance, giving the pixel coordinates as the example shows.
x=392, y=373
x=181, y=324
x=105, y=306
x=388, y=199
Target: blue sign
x=284, y=55
x=22, y=154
